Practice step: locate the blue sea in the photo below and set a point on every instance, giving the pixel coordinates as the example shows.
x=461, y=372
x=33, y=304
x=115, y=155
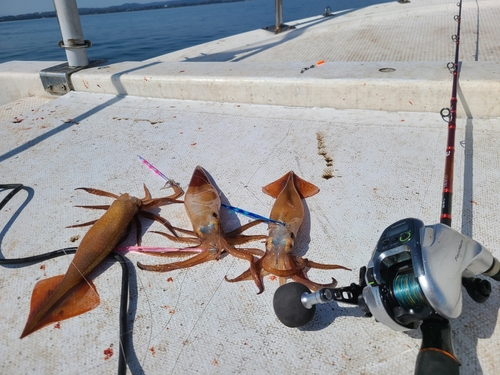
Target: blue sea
x=140, y=35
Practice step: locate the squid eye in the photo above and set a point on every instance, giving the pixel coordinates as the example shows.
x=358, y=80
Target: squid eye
x=215, y=215
x=292, y=235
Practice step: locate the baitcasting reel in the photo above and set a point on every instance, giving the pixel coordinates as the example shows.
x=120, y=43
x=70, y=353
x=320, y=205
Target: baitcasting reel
x=415, y=275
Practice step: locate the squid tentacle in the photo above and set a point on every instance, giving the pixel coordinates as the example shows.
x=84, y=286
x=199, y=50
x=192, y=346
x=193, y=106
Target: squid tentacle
x=302, y=278
x=323, y=266
x=197, y=259
x=191, y=240
x=99, y=192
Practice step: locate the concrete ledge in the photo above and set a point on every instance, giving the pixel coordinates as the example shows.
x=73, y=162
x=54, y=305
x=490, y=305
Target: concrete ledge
x=421, y=86
x=479, y=88
x=21, y=79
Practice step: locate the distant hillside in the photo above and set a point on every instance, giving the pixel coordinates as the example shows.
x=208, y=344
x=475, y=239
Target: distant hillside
x=129, y=7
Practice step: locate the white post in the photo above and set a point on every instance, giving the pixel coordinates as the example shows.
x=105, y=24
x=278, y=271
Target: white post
x=71, y=31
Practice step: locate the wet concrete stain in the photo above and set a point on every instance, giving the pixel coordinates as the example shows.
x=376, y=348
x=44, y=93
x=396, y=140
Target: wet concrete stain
x=328, y=171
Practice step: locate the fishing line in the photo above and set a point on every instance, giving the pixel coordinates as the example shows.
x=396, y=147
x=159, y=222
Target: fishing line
x=151, y=320
x=124, y=333
x=305, y=107
x=251, y=214
x=205, y=304
x=81, y=274
x=170, y=182
x=271, y=153
x=450, y=114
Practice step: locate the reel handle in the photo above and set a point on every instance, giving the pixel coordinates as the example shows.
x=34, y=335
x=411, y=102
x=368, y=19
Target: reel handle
x=436, y=354
x=288, y=306
x=295, y=305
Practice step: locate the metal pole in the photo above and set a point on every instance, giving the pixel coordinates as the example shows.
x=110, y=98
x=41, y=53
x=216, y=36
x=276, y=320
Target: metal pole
x=279, y=15
x=71, y=31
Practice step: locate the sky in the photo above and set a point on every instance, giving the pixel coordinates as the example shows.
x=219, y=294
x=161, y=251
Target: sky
x=15, y=7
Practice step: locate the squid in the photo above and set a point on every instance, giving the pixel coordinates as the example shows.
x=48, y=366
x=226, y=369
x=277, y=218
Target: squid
x=65, y=296
x=278, y=259
x=203, y=204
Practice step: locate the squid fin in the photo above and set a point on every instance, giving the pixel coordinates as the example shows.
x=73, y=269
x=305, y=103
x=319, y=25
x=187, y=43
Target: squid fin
x=199, y=177
x=305, y=188
x=80, y=299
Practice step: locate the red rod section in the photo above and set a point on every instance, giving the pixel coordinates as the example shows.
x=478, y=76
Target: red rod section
x=450, y=146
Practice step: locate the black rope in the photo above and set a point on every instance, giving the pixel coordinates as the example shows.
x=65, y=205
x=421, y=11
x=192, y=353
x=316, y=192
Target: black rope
x=124, y=331
x=37, y=258
x=15, y=189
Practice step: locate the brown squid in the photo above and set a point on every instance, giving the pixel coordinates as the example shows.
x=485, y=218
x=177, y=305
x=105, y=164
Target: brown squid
x=203, y=204
x=278, y=259
x=65, y=296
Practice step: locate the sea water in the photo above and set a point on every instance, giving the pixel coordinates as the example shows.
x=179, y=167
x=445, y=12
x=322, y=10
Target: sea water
x=141, y=35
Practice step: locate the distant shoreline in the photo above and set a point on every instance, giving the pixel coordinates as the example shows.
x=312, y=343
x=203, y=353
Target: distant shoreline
x=119, y=8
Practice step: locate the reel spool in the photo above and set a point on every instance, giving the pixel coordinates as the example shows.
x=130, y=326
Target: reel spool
x=407, y=291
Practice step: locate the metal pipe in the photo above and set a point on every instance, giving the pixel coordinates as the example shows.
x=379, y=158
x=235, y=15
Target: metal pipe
x=72, y=34
x=279, y=15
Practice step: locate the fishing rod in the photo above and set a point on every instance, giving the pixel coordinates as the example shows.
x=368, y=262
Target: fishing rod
x=415, y=276
x=451, y=115
x=436, y=351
